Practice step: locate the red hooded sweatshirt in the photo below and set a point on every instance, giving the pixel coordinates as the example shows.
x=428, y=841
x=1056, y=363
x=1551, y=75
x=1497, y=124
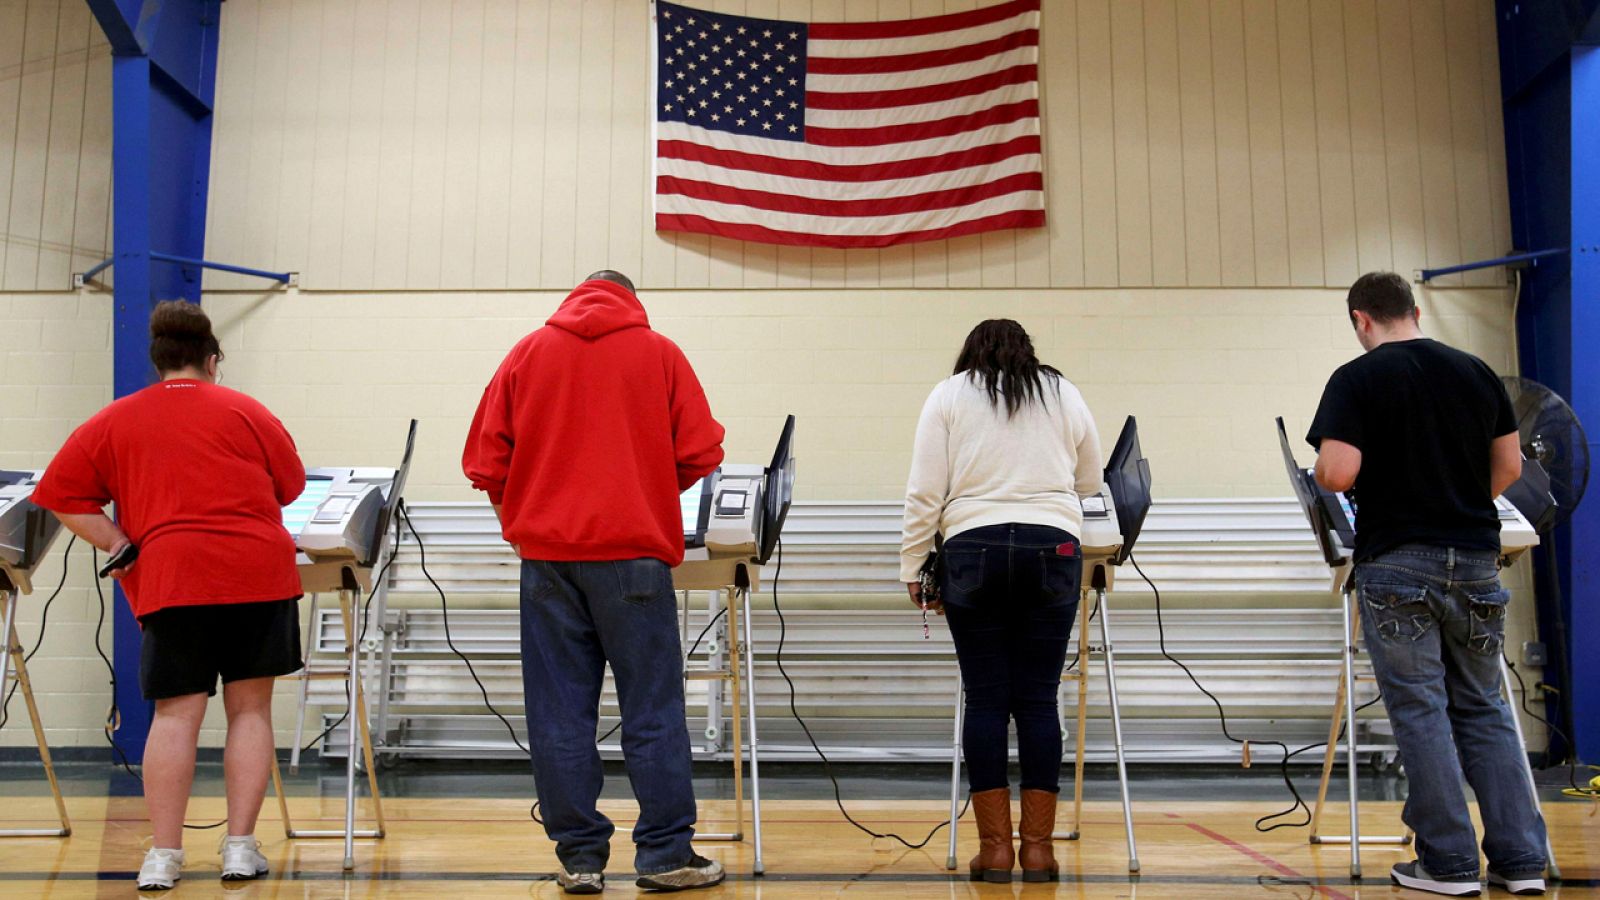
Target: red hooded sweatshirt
x=589, y=431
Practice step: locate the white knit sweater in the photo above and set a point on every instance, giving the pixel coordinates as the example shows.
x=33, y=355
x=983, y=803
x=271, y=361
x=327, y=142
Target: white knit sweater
x=973, y=466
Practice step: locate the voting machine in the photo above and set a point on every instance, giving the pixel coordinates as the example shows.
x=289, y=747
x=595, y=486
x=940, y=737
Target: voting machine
x=26, y=533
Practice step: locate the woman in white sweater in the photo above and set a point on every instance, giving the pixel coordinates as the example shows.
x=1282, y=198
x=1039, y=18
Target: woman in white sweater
x=1004, y=450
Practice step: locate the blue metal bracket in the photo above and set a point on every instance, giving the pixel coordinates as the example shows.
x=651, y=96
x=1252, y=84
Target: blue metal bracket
x=1532, y=258
x=81, y=278
x=289, y=279
x=284, y=277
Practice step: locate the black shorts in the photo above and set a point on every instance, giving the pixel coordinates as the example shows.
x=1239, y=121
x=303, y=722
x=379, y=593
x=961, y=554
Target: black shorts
x=186, y=648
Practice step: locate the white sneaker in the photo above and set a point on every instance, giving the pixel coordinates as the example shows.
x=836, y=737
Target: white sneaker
x=241, y=858
x=1527, y=884
x=161, y=869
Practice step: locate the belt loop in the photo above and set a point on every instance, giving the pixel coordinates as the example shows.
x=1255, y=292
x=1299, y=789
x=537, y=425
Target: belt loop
x=1450, y=559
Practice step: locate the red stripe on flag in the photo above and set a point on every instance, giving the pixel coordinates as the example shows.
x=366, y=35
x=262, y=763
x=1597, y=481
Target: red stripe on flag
x=933, y=93
x=919, y=131
x=1022, y=218
x=845, y=65
x=880, y=206
x=848, y=31
x=816, y=171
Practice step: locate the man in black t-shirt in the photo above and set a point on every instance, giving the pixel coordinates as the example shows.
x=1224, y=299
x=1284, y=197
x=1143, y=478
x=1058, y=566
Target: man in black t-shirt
x=1425, y=436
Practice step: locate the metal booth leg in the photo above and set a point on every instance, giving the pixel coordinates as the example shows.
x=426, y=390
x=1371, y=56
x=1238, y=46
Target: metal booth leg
x=13, y=658
x=722, y=669
x=755, y=742
x=1351, y=762
x=358, y=741
x=955, y=773
x=1116, y=723
x=303, y=691
x=1527, y=768
x=1081, y=679
x=1343, y=715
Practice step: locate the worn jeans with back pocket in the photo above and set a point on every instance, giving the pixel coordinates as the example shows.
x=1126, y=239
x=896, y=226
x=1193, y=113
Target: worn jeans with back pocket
x=576, y=618
x=1434, y=623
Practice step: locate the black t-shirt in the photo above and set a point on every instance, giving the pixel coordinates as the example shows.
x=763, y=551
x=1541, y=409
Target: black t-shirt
x=1423, y=416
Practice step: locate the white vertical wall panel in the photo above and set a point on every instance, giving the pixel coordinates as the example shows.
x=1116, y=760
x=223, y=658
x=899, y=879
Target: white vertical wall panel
x=55, y=143
x=492, y=144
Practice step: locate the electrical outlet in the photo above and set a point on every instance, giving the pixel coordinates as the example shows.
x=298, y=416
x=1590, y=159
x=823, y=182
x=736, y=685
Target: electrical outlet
x=1533, y=653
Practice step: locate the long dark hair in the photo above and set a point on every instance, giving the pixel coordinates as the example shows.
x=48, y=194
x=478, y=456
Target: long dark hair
x=999, y=357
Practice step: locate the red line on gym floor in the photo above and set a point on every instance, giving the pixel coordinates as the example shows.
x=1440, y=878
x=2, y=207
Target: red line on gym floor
x=1264, y=859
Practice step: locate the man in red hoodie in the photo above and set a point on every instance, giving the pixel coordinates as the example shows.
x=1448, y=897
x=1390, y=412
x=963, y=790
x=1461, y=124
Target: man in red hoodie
x=583, y=440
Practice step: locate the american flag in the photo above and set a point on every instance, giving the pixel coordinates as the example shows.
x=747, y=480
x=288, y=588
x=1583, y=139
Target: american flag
x=859, y=134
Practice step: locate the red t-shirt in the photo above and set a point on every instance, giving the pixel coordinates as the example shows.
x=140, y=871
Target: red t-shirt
x=200, y=475
x=589, y=430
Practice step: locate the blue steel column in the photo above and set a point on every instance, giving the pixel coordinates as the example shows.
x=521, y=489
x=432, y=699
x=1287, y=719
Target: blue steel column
x=131, y=369
x=1583, y=600
x=163, y=82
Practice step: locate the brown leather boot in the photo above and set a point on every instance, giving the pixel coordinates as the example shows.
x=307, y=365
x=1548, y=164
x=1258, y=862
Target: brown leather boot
x=996, y=856
x=1038, y=823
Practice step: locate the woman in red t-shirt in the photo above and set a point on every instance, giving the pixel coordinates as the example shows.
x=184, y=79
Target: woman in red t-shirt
x=199, y=474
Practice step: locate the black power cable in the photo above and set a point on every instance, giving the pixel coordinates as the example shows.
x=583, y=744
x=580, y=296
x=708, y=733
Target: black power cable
x=444, y=607
x=361, y=637
x=1299, y=803
x=1572, y=762
x=827, y=765
x=44, y=619
x=692, y=648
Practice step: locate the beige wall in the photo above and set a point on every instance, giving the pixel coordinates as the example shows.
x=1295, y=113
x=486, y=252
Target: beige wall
x=1218, y=172
x=55, y=143
x=1204, y=370
x=502, y=144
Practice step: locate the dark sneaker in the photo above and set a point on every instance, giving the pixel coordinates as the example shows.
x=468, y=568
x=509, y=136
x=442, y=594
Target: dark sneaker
x=1517, y=884
x=1414, y=876
x=581, y=882
x=698, y=872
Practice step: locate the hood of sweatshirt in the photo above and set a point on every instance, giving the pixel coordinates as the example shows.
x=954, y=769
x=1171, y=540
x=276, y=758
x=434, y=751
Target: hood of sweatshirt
x=597, y=308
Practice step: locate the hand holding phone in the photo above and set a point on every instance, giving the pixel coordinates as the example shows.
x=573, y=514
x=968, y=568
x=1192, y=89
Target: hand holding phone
x=120, y=560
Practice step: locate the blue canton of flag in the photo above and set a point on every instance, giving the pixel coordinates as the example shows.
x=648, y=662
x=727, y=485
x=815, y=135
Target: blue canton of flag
x=731, y=73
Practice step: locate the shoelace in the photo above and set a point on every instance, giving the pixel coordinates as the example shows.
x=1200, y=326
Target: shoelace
x=222, y=845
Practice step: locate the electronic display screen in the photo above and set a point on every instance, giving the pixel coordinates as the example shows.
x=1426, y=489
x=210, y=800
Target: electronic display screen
x=777, y=493
x=689, y=505
x=695, y=505
x=1315, y=503
x=298, y=513
x=1127, y=475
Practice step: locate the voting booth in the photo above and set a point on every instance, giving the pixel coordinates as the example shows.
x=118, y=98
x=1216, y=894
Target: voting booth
x=341, y=524
x=732, y=522
x=1332, y=520
x=1112, y=519
x=26, y=533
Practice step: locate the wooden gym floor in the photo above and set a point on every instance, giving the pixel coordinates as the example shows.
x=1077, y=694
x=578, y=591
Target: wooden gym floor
x=474, y=847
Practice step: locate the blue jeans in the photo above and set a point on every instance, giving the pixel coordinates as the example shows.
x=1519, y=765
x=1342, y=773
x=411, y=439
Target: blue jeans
x=1434, y=621
x=1010, y=600
x=577, y=616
